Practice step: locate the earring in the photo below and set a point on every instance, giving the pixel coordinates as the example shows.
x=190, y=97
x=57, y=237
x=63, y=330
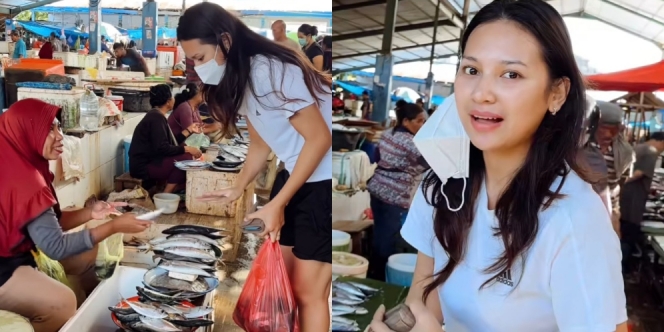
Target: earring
x=554, y=111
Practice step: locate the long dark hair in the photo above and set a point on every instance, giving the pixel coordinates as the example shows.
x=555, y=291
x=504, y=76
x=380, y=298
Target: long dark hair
x=406, y=111
x=553, y=153
x=190, y=91
x=207, y=21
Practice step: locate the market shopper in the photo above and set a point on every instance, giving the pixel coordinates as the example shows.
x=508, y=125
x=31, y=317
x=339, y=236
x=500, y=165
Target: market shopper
x=306, y=36
x=635, y=194
x=30, y=216
x=20, y=50
x=154, y=147
x=393, y=183
x=511, y=236
x=130, y=57
x=186, y=113
x=287, y=105
x=604, y=126
x=280, y=37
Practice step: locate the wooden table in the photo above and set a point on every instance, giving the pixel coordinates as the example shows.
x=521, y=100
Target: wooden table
x=356, y=229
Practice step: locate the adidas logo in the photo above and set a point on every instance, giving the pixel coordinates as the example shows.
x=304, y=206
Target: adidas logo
x=506, y=278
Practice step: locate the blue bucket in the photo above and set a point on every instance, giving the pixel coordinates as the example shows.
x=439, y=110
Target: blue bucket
x=127, y=143
x=400, y=269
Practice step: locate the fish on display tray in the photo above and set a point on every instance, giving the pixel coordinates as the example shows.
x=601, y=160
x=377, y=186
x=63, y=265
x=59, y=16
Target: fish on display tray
x=186, y=270
x=347, y=299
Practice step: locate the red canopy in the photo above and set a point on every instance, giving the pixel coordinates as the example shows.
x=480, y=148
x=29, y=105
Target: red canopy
x=641, y=79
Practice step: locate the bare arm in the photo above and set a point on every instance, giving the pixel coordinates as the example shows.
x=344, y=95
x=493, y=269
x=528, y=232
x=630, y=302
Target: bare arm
x=317, y=141
x=318, y=62
x=256, y=157
x=622, y=327
x=72, y=219
x=421, y=278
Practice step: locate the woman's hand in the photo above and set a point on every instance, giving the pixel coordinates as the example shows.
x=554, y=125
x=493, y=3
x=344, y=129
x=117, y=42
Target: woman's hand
x=224, y=196
x=128, y=224
x=425, y=321
x=272, y=215
x=102, y=210
x=194, y=128
x=195, y=152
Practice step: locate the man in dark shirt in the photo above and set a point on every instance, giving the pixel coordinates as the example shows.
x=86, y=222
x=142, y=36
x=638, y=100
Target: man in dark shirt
x=130, y=57
x=327, y=53
x=367, y=107
x=635, y=194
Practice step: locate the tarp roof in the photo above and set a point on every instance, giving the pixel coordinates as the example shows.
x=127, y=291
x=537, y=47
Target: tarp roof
x=9, y=8
x=642, y=79
x=357, y=27
x=264, y=5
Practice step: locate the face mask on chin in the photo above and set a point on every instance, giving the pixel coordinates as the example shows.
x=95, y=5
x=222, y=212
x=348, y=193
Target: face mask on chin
x=444, y=144
x=210, y=72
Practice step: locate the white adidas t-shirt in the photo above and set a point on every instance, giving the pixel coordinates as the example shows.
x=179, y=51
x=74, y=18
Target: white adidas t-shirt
x=572, y=280
x=269, y=114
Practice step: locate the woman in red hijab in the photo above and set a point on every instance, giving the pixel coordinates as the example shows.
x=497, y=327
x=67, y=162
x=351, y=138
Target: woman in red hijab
x=30, y=217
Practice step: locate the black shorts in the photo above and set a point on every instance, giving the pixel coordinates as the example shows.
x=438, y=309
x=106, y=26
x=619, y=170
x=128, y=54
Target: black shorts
x=307, y=219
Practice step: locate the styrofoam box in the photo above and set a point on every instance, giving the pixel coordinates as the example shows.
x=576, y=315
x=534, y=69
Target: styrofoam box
x=94, y=315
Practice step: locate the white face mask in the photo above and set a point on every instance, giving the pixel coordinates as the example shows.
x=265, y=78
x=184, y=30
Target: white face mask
x=445, y=145
x=210, y=72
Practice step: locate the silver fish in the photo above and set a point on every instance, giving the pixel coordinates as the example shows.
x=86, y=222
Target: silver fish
x=160, y=324
x=363, y=287
x=345, y=301
x=146, y=309
x=191, y=252
x=156, y=296
x=164, y=281
x=345, y=321
x=196, y=237
x=187, y=312
x=158, y=240
x=203, y=267
x=350, y=289
x=342, y=309
x=344, y=327
x=168, y=266
x=177, y=243
x=348, y=296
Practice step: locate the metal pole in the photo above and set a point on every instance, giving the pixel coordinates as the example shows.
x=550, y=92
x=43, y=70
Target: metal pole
x=435, y=31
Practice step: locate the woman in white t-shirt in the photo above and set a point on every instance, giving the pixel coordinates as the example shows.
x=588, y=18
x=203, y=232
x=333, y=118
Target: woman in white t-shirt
x=288, y=108
x=531, y=248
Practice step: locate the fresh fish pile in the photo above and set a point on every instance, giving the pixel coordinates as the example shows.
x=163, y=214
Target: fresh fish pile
x=347, y=300
x=188, y=250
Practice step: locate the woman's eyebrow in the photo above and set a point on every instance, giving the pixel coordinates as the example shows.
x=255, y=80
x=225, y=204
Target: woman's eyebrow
x=506, y=62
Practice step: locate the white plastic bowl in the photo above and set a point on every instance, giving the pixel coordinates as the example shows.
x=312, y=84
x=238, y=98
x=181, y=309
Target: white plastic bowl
x=168, y=202
x=341, y=241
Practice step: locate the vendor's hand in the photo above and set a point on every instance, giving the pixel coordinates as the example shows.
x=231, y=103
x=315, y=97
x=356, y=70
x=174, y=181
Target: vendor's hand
x=194, y=128
x=223, y=196
x=128, y=224
x=425, y=321
x=272, y=215
x=195, y=152
x=102, y=210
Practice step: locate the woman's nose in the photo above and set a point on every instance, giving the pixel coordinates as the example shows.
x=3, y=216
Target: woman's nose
x=483, y=91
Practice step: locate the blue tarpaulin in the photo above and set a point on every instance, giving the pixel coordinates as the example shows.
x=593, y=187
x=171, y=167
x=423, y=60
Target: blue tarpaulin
x=44, y=30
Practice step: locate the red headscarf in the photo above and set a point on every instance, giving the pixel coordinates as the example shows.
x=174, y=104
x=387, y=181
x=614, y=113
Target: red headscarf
x=25, y=178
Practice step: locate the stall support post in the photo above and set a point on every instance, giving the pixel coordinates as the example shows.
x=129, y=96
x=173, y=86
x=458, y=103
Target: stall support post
x=150, y=29
x=95, y=22
x=382, y=87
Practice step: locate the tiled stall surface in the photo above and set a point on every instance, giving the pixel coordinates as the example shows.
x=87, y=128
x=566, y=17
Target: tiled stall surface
x=102, y=161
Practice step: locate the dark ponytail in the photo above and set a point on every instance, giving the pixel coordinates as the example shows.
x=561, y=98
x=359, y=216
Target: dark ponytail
x=406, y=111
x=190, y=91
x=307, y=30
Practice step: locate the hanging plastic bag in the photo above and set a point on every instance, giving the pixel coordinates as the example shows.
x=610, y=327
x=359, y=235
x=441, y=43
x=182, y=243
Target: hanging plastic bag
x=266, y=303
x=109, y=255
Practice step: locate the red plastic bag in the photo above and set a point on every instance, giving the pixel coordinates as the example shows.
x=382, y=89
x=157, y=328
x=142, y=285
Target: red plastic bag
x=266, y=303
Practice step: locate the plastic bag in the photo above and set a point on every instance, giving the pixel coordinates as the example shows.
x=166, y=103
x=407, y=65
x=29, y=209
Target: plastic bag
x=266, y=303
x=109, y=255
x=197, y=141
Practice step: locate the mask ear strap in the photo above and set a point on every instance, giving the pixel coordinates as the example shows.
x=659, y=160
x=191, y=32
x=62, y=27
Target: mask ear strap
x=447, y=200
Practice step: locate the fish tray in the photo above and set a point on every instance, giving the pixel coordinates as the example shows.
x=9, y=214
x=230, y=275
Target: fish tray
x=134, y=257
x=94, y=315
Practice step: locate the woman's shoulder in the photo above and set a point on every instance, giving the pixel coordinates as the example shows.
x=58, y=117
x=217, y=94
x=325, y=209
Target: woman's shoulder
x=579, y=212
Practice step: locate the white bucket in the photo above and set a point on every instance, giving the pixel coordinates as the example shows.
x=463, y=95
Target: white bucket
x=340, y=241
x=167, y=202
x=357, y=270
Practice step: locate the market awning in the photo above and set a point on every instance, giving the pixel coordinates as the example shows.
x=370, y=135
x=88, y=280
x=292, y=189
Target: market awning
x=641, y=79
x=45, y=30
